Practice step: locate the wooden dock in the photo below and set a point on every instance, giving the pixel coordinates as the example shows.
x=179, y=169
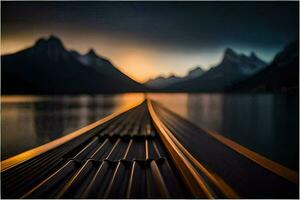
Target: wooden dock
x=145, y=151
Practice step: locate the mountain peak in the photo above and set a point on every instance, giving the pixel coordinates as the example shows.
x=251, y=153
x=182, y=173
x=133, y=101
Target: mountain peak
x=41, y=41
x=230, y=55
x=51, y=42
x=172, y=75
x=259, y=62
x=195, y=72
x=229, y=52
x=53, y=37
x=51, y=46
x=253, y=55
x=92, y=52
x=55, y=40
x=196, y=68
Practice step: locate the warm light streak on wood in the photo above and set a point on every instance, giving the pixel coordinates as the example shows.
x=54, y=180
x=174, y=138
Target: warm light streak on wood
x=20, y=158
x=257, y=158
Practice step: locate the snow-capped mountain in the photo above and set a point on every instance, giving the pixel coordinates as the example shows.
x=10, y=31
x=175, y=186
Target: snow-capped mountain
x=247, y=65
x=233, y=67
x=281, y=75
x=99, y=63
x=90, y=58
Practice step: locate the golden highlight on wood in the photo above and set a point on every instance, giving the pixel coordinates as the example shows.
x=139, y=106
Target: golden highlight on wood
x=257, y=158
x=22, y=157
x=186, y=162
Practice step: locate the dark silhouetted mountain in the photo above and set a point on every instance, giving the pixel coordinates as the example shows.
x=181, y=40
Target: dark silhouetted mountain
x=196, y=72
x=48, y=68
x=233, y=67
x=101, y=65
x=281, y=75
x=161, y=82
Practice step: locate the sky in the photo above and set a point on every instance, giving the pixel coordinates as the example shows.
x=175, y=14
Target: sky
x=147, y=39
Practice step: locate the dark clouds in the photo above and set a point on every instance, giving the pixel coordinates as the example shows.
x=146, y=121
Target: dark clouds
x=180, y=25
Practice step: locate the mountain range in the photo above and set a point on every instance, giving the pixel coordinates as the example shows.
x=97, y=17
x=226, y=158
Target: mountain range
x=49, y=68
x=161, y=82
x=233, y=67
x=281, y=75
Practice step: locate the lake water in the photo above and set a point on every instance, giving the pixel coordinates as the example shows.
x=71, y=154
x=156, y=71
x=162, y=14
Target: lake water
x=30, y=121
x=265, y=123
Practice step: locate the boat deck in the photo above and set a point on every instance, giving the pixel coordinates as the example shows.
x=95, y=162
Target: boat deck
x=247, y=173
x=124, y=158
x=144, y=152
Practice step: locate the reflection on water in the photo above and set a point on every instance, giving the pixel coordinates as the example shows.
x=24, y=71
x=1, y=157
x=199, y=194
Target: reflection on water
x=29, y=121
x=265, y=123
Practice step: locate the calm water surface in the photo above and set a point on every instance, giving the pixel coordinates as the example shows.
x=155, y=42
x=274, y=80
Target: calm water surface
x=29, y=121
x=265, y=123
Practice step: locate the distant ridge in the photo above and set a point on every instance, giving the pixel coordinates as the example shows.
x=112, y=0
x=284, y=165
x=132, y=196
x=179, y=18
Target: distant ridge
x=233, y=67
x=161, y=82
x=281, y=75
x=48, y=68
